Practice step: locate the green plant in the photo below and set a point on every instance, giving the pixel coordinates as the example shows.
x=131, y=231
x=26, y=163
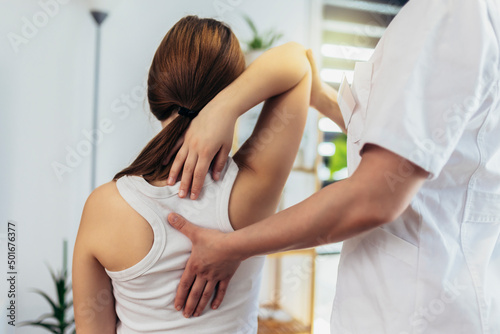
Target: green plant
x=339, y=160
x=55, y=322
x=258, y=41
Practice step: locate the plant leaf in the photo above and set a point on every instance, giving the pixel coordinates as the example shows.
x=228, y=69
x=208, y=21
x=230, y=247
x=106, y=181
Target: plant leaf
x=55, y=307
x=60, y=281
x=50, y=327
x=59, y=308
x=251, y=24
x=272, y=38
x=46, y=316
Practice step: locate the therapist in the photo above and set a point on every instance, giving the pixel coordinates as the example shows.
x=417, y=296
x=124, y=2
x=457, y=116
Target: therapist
x=420, y=213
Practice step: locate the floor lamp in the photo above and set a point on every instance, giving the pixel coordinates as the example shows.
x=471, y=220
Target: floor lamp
x=99, y=11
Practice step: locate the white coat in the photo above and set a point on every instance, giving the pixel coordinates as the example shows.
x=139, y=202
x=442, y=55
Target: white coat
x=430, y=94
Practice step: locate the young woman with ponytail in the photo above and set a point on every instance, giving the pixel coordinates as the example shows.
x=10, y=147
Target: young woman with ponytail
x=128, y=260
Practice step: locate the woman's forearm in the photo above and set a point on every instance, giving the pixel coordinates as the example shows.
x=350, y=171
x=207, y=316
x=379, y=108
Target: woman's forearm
x=274, y=72
x=323, y=96
x=327, y=105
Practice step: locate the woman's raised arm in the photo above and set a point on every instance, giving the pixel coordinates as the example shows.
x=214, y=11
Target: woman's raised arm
x=323, y=96
x=211, y=132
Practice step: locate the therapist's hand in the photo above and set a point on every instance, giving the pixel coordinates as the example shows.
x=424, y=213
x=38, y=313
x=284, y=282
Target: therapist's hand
x=208, y=138
x=209, y=268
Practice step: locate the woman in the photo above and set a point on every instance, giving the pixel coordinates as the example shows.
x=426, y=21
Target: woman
x=128, y=260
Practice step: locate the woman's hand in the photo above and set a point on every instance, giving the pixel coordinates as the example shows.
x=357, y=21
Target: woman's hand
x=209, y=268
x=208, y=138
x=211, y=132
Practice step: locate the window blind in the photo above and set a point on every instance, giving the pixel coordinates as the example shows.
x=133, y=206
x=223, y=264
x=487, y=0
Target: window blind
x=350, y=31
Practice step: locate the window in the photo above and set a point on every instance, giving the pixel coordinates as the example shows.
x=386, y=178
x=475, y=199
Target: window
x=350, y=31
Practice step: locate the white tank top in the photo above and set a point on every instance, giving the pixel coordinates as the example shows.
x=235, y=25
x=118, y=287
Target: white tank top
x=145, y=292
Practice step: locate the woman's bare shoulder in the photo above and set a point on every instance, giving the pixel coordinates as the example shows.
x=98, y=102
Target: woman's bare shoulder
x=105, y=198
x=103, y=209
x=110, y=224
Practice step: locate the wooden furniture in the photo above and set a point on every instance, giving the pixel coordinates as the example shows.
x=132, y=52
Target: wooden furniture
x=277, y=320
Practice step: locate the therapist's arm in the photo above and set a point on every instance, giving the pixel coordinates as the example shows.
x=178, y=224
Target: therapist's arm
x=378, y=192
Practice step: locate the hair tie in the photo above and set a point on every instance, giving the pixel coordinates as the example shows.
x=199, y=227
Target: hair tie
x=187, y=112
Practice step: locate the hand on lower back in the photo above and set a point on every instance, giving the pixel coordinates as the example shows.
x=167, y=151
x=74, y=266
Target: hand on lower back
x=209, y=268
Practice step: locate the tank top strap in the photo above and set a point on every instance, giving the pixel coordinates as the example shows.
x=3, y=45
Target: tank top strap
x=128, y=190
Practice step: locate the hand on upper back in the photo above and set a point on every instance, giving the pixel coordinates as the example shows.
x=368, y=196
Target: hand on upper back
x=209, y=268
x=209, y=135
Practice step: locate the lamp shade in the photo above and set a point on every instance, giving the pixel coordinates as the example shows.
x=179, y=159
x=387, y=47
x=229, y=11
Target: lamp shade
x=104, y=6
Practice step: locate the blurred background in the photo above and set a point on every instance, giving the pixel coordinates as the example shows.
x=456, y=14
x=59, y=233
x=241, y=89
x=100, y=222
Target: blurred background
x=73, y=112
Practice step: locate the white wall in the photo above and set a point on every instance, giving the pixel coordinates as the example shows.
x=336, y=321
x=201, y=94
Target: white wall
x=46, y=92
x=45, y=101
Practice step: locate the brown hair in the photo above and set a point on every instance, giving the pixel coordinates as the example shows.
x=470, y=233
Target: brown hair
x=195, y=61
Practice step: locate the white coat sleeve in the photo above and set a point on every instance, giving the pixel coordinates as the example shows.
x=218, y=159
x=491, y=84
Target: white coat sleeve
x=431, y=73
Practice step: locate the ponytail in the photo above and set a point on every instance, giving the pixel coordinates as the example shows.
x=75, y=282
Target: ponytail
x=195, y=61
x=149, y=163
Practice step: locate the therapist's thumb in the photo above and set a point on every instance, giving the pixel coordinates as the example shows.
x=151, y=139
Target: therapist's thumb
x=182, y=225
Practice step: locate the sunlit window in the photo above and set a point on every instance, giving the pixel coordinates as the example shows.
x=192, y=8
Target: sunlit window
x=351, y=30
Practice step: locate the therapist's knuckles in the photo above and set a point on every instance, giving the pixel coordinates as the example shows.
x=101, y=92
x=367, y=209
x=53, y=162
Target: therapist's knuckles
x=201, y=271
x=205, y=296
x=184, y=286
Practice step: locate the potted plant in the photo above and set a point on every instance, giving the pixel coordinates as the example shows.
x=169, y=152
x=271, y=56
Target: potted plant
x=259, y=42
x=56, y=321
